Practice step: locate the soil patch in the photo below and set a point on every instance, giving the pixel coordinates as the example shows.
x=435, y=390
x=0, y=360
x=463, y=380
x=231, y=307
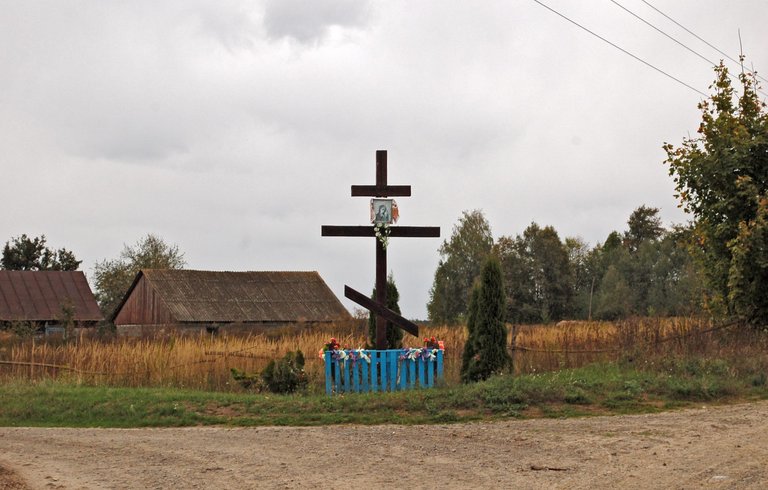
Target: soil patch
x=712, y=447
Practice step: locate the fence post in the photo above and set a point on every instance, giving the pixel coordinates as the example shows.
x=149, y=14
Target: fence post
x=364, y=373
x=512, y=349
x=392, y=355
x=375, y=370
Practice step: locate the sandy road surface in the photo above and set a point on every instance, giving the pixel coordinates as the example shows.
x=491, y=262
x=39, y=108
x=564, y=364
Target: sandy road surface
x=710, y=447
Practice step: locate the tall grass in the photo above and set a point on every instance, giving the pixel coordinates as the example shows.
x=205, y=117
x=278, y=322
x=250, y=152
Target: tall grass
x=204, y=361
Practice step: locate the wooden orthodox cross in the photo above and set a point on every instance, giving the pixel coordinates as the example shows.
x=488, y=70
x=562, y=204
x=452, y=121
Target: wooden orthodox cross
x=379, y=305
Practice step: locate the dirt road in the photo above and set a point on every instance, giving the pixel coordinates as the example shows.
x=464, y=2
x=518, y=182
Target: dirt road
x=710, y=447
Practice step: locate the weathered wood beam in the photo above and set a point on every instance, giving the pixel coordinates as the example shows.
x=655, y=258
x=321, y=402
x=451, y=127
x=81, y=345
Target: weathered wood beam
x=394, y=231
x=381, y=310
x=381, y=191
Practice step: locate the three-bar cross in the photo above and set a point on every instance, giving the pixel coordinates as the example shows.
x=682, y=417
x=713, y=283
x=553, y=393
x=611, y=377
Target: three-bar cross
x=378, y=306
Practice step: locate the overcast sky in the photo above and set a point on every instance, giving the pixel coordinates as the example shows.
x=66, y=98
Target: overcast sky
x=235, y=129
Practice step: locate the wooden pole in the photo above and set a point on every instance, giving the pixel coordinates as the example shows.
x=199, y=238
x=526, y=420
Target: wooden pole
x=381, y=294
x=381, y=259
x=381, y=172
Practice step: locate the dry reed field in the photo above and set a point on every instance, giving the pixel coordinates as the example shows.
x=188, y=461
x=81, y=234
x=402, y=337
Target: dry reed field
x=204, y=361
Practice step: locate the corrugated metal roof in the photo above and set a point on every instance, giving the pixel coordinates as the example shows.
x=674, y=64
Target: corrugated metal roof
x=255, y=296
x=39, y=295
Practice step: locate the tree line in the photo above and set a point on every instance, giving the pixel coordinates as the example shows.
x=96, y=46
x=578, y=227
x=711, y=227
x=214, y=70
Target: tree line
x=644, y=270
x=717, y=264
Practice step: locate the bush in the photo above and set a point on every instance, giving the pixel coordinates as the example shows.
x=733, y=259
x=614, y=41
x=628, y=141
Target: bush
x=247, y=381
x=286, y=375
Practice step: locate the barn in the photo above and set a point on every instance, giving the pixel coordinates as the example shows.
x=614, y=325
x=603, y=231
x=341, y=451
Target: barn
x=187, y=301
x=40, y=298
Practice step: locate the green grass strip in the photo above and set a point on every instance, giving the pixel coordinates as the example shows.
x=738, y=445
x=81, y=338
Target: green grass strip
x=591, y=390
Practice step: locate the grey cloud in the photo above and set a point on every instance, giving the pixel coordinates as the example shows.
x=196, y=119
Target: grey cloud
x=308, y=22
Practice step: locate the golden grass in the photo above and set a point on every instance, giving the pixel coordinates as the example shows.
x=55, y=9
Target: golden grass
x=204, y=362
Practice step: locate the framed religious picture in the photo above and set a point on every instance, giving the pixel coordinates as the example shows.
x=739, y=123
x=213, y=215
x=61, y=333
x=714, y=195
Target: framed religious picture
x=383, y=211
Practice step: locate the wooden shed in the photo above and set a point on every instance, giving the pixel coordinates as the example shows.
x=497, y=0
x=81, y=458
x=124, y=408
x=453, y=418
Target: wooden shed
x=39, y=297
x=159, y=301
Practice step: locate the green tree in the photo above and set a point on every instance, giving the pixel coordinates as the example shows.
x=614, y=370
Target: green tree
x=613, y=299
x=644, y=225
x=612, y=242
x=488, y=339
x=586, y=271
x=31, y=254
x=721, y=177
x=676, y=280
x=394, y=333
x=538, y=275
x=461, y=260
x=748, y=275
x=112, y=278
x=517, y=269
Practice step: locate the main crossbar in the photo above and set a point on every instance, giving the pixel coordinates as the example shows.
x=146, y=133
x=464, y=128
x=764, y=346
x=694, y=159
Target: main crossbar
x=381, y=191
x=394, y=231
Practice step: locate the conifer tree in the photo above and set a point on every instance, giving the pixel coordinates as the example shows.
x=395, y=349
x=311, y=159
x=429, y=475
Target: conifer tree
x=394, y=334
x=489, y=332
x=469, y=348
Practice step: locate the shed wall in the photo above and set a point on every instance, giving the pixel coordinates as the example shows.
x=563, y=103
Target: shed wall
x=144, y=307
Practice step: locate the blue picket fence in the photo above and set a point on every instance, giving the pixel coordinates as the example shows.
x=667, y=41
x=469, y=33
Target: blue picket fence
x=387, y=370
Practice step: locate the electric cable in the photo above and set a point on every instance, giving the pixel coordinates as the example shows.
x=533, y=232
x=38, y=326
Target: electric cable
x=712, y=63
x=700, y=38
x=621, y=49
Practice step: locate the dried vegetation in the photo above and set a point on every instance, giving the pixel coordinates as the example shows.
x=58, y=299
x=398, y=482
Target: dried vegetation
x=204, y=362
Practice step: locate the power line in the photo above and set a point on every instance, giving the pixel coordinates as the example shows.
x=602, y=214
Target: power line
x=621, y=49
x=673, y=39
x=662, y=32
x=698, y=37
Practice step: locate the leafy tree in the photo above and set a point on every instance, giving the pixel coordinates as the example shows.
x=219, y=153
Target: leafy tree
x=538, y=275
x=612, y=242
x=461, y=260
x=748, y=275
x=394, y=333
x=613, y=300
x=67, y=318
x=517, y=269
x=488, y=339
x=676, y=280
x=646, y=270
x=112, y=278
x=585, y=271
x=31, y=254
x=721, y=177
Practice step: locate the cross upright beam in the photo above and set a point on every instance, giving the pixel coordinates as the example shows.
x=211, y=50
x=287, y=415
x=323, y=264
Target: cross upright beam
x=381, y=255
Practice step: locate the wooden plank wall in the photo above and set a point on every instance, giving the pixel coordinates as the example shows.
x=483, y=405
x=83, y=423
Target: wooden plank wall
x=144, y=307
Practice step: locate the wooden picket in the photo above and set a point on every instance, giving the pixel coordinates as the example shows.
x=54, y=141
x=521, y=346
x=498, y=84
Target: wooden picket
x=385, y=372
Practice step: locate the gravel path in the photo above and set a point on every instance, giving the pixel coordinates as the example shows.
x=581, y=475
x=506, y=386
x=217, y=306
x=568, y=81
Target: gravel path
x=711, y=447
